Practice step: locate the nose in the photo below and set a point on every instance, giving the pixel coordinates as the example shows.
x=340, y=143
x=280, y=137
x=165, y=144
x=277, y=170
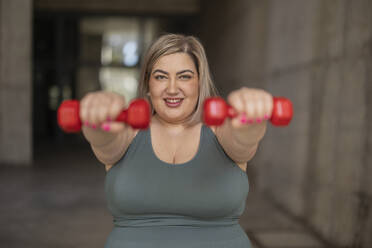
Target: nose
x=172, y=87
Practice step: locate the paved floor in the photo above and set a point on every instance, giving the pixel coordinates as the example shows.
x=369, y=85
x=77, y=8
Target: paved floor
x=60, y=202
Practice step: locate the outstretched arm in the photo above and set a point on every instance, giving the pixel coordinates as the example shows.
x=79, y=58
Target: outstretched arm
x=241, y=135
x=108, y=139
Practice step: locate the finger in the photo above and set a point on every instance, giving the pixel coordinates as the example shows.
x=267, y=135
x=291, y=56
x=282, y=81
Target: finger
x=102, y=105
x=269, y=105
x=243, y=117
x=116, y=107
x=259, y=109
x=94, y=113
x=85, y=104
x=239, y=121
x=236, y=102
x=102, y=114
x=112, y=127
x=249, y=104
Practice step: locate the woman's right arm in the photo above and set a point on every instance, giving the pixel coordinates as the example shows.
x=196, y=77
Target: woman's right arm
x=109, y=139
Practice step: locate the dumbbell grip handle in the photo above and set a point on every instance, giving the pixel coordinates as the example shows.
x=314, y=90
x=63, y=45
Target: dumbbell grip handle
x=122, y=117
x=214, y=108
x=231, y=113
x=136, y=115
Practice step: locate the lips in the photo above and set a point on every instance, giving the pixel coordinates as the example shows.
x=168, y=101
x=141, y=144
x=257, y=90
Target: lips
x=173, y=102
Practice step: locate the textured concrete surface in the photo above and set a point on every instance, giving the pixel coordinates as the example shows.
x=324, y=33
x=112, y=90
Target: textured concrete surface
x=123, y=6
x=59, y=202
x=318, y=54
x=15, y=82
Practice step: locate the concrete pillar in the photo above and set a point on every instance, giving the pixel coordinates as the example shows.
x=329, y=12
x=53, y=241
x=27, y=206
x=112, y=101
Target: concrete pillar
x=15, y=82
x=318, y=54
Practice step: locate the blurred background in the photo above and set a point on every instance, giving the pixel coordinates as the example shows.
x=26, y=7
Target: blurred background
x=310, y=183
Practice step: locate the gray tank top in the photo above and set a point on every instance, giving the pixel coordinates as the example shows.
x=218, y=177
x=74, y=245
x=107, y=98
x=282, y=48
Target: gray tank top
x=144, y=192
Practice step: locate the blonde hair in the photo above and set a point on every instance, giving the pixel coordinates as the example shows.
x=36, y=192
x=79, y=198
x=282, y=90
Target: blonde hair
x=175, y=43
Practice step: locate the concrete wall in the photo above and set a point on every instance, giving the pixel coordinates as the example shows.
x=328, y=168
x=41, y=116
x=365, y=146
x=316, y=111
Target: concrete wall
x=234, y=33
x=15, y=82
x=318, y=54
x=123, y=6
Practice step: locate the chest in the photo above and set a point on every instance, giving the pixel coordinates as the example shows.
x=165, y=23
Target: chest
x=176, y=148
x=212, y=189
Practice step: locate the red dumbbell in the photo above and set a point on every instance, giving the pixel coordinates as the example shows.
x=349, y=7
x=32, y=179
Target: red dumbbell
x=137, y=115
x=216, y=110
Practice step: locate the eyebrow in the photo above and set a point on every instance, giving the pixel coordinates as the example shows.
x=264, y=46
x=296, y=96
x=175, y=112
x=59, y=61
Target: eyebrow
x=180, y=72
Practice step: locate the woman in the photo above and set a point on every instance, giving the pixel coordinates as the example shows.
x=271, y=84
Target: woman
x=179, y=183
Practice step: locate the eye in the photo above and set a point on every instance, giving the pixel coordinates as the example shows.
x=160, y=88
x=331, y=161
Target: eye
x=185, y=77
x=159, y=77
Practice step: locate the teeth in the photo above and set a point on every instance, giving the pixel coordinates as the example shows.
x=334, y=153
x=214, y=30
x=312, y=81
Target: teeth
x=173, y=100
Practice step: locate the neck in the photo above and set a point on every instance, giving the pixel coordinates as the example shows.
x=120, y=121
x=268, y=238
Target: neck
x=174, y=127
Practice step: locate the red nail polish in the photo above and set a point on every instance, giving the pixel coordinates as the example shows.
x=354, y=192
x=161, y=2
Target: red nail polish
x=105, y=127
x=243, y=120
x=93, y=126
x=266, y=117
x=259, y=120
x=250, y=121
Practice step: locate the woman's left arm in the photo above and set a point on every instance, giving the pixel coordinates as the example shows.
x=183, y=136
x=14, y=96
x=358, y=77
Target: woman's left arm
x=241, y=135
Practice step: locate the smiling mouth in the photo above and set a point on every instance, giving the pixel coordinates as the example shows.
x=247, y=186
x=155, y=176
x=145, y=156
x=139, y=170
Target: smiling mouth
x=173, y=100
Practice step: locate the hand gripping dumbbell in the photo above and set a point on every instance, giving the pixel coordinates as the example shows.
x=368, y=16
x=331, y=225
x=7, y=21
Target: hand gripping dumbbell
x=137, y=115
x=216, y=110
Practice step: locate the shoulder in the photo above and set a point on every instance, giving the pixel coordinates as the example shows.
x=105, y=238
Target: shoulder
x=213, y=129
x=242, y=165
x=125, y=141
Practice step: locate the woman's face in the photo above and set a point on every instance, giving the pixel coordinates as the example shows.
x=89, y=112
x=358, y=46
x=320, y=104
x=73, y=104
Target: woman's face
x=174, y=87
